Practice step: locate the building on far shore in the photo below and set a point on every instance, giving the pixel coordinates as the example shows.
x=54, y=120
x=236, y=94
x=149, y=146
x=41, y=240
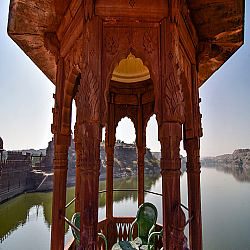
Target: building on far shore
x=14, y=173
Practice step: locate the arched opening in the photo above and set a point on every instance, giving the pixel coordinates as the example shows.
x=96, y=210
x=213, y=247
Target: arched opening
x=125, y=131
x=73, y=114
x=153, y=180
x=152, y=141
x=131, y=94
x=125, y=169
x=130, y=101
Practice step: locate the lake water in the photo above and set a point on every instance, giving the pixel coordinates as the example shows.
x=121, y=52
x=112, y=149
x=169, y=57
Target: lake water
x=25, y=221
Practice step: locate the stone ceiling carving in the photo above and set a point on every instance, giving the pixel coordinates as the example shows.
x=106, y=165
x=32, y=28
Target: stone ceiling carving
x=217, y=23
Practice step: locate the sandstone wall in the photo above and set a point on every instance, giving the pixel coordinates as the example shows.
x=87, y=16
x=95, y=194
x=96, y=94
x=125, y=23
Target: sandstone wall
x=13, y=175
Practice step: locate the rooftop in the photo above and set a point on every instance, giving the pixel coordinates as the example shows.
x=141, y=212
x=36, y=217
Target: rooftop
x=38, y=26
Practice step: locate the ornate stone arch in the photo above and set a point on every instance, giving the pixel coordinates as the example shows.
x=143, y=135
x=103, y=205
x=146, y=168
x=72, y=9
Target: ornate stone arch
x=69, y=92
x=113, y=61
x=124, y=116
x=146, y=123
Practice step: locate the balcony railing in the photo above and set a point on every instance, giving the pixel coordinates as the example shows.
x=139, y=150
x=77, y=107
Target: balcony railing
x=121, y=228
x=119, y=231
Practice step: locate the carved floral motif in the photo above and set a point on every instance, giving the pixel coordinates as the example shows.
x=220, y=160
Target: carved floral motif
x=148, y=43
x=174, y=102
x=88, y=97
x=112, y=43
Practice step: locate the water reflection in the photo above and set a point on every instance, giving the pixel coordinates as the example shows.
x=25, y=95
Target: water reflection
x=15, y=213
x=240, y=173
x=26, y=220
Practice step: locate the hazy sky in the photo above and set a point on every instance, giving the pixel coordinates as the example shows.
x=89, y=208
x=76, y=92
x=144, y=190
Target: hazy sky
x=26, y=101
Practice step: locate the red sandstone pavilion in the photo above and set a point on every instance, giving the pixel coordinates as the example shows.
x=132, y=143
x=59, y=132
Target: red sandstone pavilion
x=131, y=58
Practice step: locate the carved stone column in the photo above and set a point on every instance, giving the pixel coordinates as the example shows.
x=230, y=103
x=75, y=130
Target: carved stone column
x=170, y=137
x=109, y=149
x=109, y=196
x=141, y=150
x=90, y=166
x=61, y=144
x=60, y=163
x=89, y=126
x=192, y=147
x=140, y=158
x=194, y=194
x=78, y=149
x=109, y=181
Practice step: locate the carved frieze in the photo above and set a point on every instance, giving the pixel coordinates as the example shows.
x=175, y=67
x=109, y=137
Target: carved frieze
x=127, y=37
x=88, y=97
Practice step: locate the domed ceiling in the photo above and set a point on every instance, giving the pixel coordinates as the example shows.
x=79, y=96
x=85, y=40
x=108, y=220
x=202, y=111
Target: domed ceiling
x=130, y=70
